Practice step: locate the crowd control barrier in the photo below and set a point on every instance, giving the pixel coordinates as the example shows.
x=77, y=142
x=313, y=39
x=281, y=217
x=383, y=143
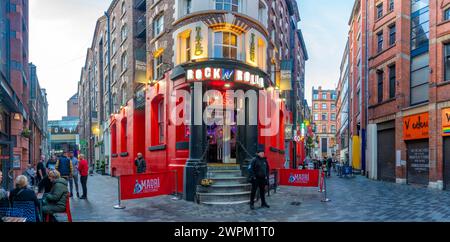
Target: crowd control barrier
x=138, y=186
x=304, y=178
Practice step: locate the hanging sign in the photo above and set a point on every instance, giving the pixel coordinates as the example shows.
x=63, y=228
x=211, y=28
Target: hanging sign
x=415, y=127
x=446, y=122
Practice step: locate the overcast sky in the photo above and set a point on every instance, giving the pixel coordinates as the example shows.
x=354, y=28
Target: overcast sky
x=62, y=30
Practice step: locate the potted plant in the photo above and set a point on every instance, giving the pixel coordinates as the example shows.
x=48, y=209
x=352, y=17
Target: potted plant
x=26, y=133
x=102, y=167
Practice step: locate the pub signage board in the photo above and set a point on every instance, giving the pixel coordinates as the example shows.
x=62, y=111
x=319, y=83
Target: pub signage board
x=446, y=122
x=224, y=74
x=415, y=127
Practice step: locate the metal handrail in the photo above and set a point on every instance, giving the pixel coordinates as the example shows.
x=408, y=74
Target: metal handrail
x=245, y=150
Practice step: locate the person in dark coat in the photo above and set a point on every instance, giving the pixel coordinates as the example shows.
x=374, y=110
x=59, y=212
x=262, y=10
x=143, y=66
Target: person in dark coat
x=23, y=194
x=259, y=177
x=65, y=168
x=45, y=185
x=140, y=164
x=55, y=200
x=4, y=201
x=329, y=163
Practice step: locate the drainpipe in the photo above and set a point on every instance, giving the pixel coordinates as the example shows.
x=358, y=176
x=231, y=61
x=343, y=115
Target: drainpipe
x=110, y=104
x=366, y=91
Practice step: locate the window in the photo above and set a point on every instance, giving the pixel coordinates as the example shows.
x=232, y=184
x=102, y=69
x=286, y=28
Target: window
x=324, y=106
x=113, y=74
x=391, y=5
x=316, y=116
x=420, y=28
x=158, y=25
x=316, y=106
x=225, y=45
x=157, y=67
x=447, y=14
x=392, y=31
x=113, y=23
x=124, y=61
x=161, y=121
x=333, y=129
x=392, y=81
x=420, y=72
x=358, y=94
x=379, y=11
x=324, y=95
x=324, y=128
x=188, y=6
x=333, y=106
x=380, y=41
x=123, y=7
x=124, y=95
x=124, y=32
x=188, y=48
x=315, y=96
x=228, y=5
x=447, y=62
x=333, y=117
x=380, y=86
x=114, y=46
x=324, y=116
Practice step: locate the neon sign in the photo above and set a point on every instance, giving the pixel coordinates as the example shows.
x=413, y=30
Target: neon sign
x=223, y=74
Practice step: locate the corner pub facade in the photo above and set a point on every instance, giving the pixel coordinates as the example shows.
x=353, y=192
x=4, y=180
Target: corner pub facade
x=216, y=45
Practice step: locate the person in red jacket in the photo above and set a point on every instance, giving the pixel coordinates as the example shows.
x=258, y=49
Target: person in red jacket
x=83, y=168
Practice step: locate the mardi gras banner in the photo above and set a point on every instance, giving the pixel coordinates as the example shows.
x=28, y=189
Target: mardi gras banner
x=299, y=178
x=146, y=185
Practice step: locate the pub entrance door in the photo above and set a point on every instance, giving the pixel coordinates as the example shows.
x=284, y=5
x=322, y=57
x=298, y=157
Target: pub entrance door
x=418, y=162
x=6, y=164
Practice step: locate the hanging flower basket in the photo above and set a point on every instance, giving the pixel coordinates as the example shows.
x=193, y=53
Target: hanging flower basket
x=26, y=133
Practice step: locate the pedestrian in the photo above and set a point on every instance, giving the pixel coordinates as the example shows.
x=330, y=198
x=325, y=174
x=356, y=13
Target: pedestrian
x=83, y=168
x=140, y=164
x=74, y=179
x=55, y=200
x=41, y=171
x=22, y=193
x=51, y=163
x=65, y=168
x=4, y=202
x=329, y=163
x=45, y=185
x=30, y=173
x=259, y=177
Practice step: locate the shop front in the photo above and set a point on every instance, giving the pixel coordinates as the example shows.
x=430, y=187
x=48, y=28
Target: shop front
x=446, y=146
x=416, y=137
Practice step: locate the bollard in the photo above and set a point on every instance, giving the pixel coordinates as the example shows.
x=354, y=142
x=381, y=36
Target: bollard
x=325, y=199
x=176, y=186
x=118, y=206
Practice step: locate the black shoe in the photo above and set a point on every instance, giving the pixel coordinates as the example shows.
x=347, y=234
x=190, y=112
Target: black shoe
x=252, y=207
x=78, y=195
x=265, y=206
x=83, y=197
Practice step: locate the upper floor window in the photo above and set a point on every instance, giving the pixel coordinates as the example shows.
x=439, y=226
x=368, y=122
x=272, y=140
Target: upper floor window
x=333, y=117
x=113, y=23
x=161, y=121
x=157, y=67
x=188, y=5
x=324, y=106
x=316, y=106
x=392, y=81
x=225, y=45
x=124, y=32
x=447, y=14
x=333, y=106
x=158, y=25
x=228, y=5
x=380, y=41
x=316, y=116
x=447, y=62
x=379, y=11
x=123, y=7
x=392, y=31
x=391, y=5
x=324, y=116
x=315, y=96
x=380, y=86
x=124, y=61
x=114, y=46
x=324, y=95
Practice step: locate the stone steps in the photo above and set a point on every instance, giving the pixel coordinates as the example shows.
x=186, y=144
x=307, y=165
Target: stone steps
x=228, y=187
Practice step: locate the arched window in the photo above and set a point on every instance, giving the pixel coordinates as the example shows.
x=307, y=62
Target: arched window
x=114, y=46
x=225, y=45
x=124, y=32
x=124, y=95
x=113, y=24
x=161, y=121
x=113, y=74
x=124, y=61
x=123, y=7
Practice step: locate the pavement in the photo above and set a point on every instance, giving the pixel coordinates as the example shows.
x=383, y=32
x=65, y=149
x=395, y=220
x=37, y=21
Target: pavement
x=352, y=200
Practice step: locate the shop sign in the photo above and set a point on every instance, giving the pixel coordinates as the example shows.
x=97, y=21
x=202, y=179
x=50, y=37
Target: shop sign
x=146, y=185
x=299, y=178
x=16, y=162
x=415, y=127
x=446, y=122
x=288, y=132
x=222, y=74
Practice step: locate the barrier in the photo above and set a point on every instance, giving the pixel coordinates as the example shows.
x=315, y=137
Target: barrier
x=146, y=185
x=304, y=178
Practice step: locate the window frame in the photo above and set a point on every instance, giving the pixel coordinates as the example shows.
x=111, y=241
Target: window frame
x=222, y=3
x=158, y=25
x=222, y=45
x=157, y=66
x=122, y=30
x=380, y=40
x=379, y=11
x=392, y=80
x=161, y=121
x=392, y=34
x=391, y=5
x=124, y=62
x=446, y=55
x=446, y=15
x=380, y=86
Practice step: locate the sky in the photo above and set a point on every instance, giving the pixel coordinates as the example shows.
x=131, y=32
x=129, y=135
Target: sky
x=62, y=30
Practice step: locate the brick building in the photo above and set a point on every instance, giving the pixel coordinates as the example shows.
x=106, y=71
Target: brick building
x=168, y=39
x=14, y=88
x=408, y=97
x=324, y=119
x=73, y=106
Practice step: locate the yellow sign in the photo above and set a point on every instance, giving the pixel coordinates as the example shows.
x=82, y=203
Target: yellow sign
x=415, y=127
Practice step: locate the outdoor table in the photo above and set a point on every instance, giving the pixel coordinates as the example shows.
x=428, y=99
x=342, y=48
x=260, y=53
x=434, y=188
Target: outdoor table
x=14, y=220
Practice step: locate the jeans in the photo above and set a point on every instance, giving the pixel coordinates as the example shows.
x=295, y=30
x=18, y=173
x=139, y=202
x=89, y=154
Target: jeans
x=261, y=184
x=83, y=180
x=71, y=181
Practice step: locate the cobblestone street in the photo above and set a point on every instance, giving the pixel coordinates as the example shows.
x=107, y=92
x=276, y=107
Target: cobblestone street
x=352, y=200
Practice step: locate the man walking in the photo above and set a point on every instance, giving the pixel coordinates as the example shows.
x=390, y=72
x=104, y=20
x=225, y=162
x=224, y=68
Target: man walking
x=259, y=175
x=41, y=171
x=74, y=161
x=65, y=168
x=140, y=164
x=83, y=168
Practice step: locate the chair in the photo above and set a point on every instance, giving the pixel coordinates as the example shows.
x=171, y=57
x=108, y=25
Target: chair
x=67, y=212
x=25, y=209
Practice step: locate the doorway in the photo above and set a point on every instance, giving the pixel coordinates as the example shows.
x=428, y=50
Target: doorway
x=221, y=142
x=418, y=162
x=446, y=163
x=6, y=164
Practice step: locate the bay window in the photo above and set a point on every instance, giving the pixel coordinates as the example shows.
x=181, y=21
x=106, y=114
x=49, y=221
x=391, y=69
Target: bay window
x=225, y=45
